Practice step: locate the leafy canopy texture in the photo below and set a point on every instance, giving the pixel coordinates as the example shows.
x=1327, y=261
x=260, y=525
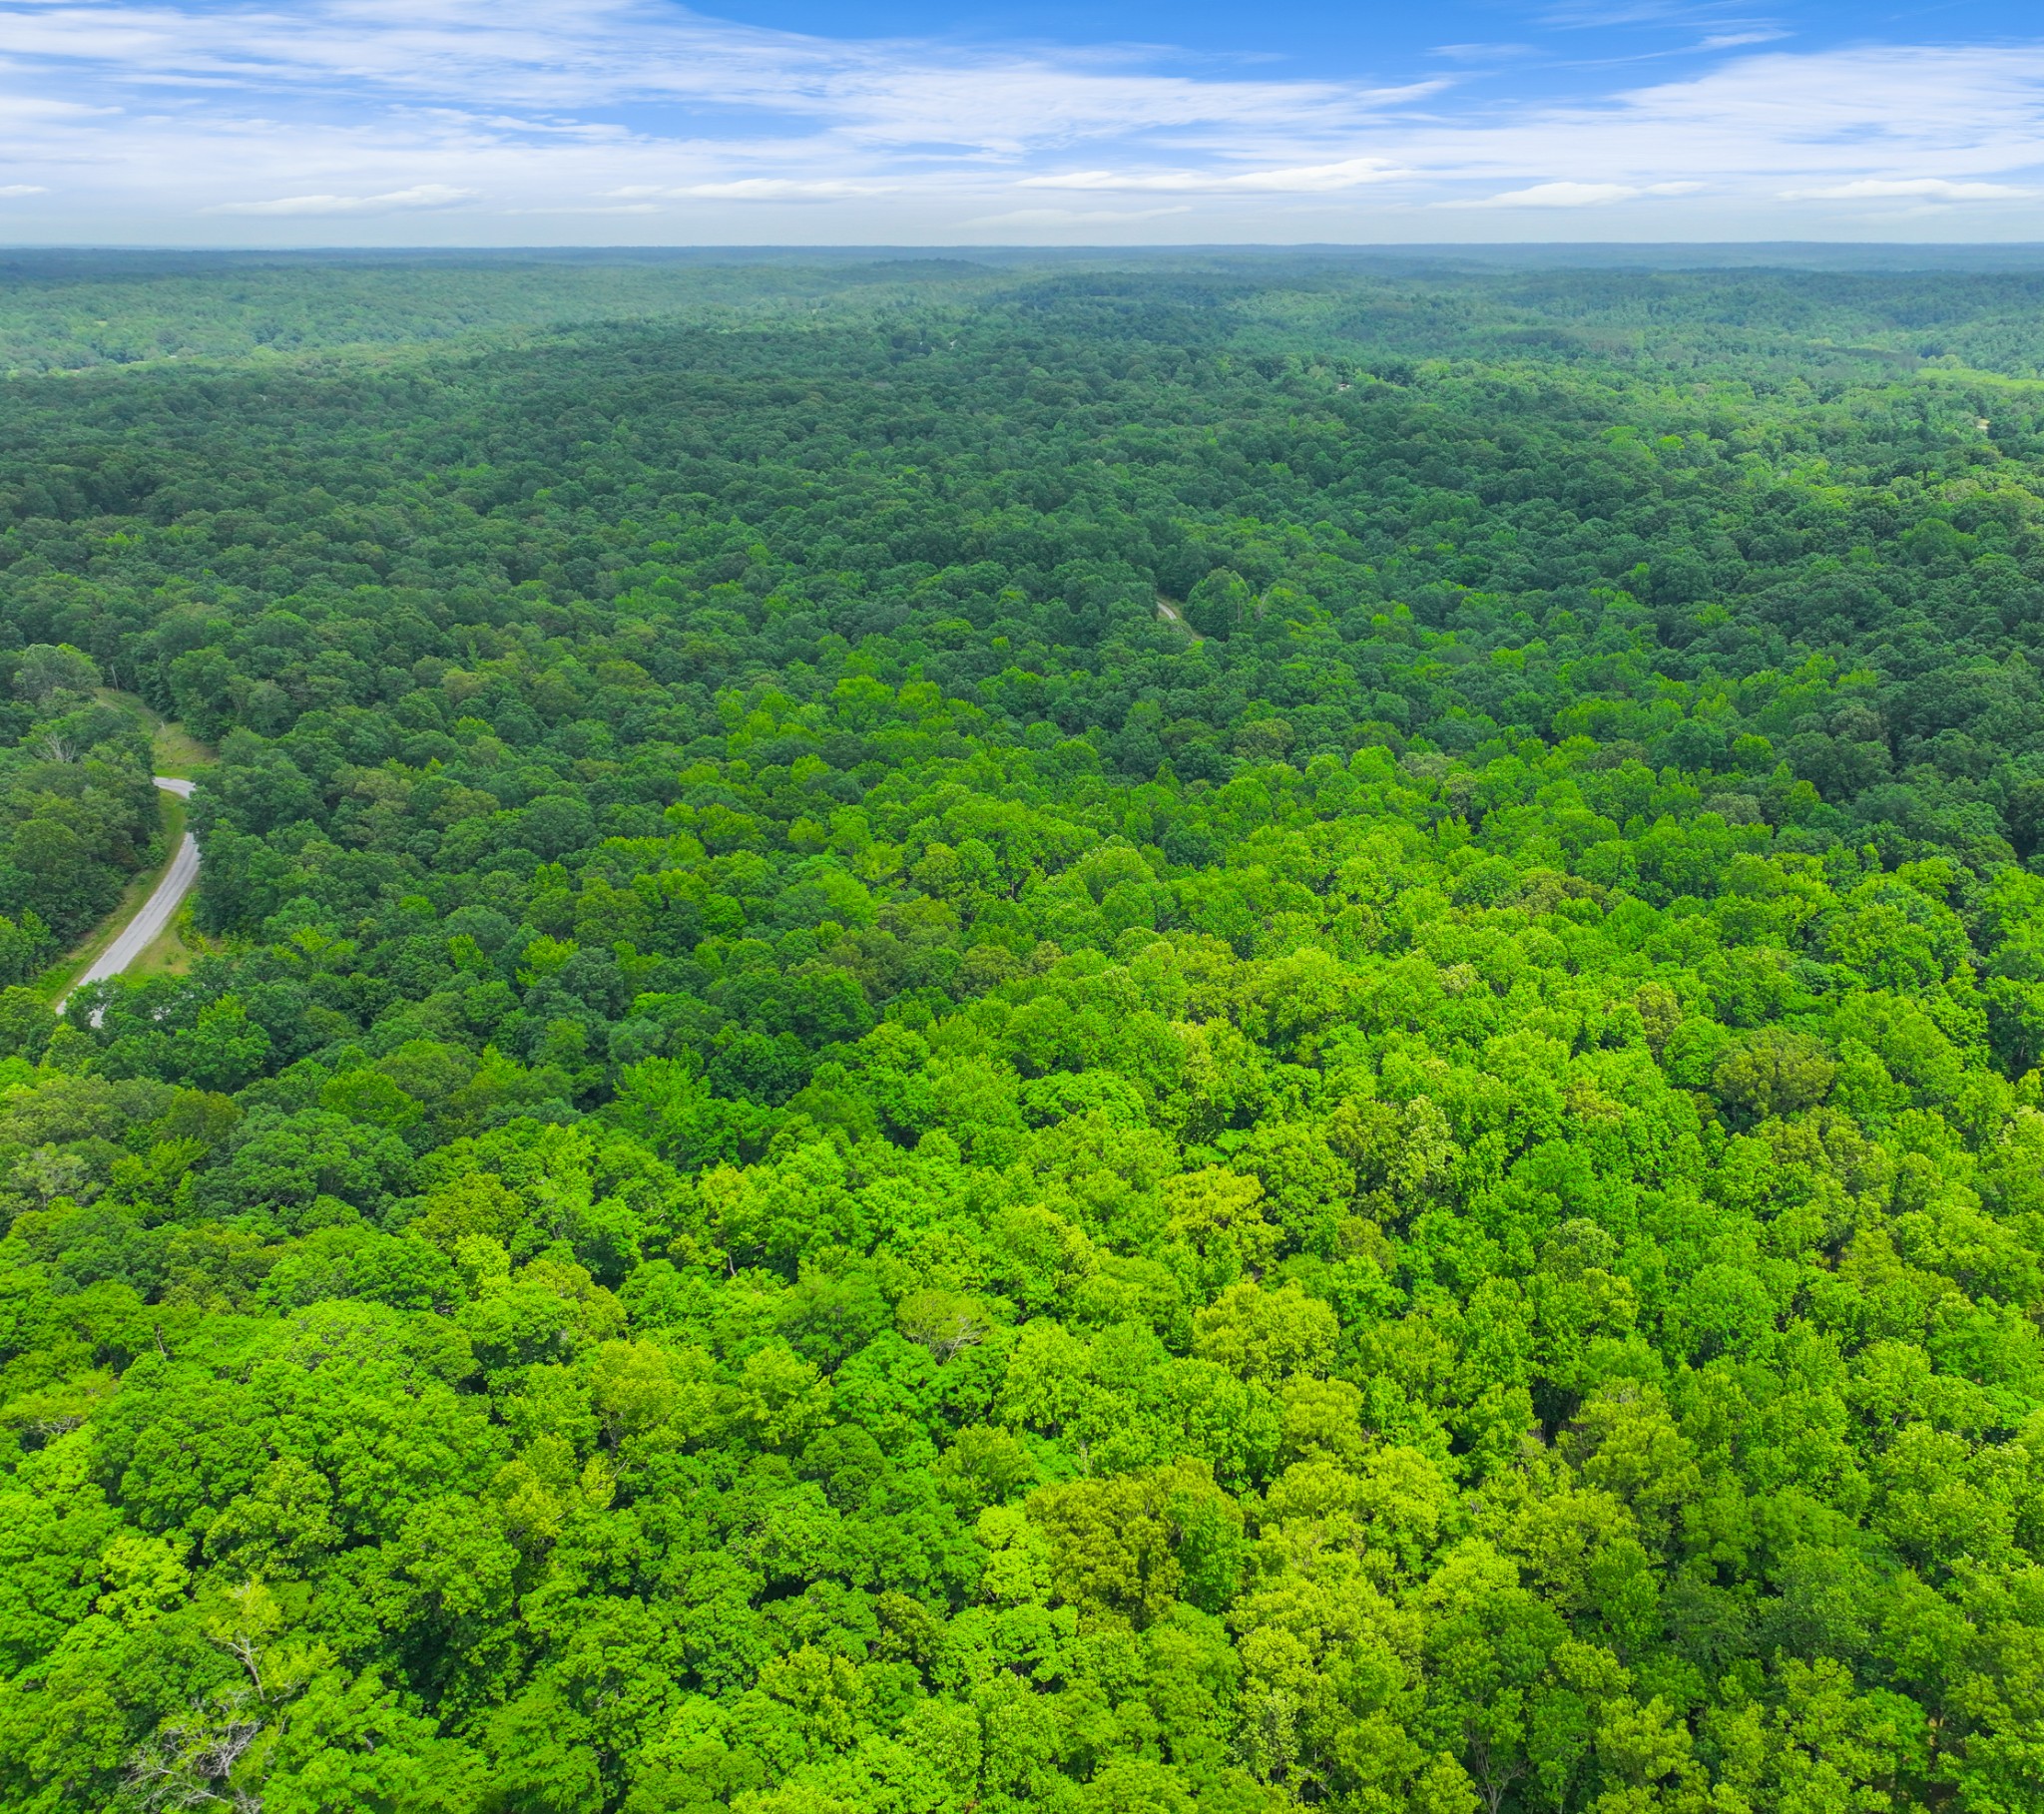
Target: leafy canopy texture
x=1172, y=1042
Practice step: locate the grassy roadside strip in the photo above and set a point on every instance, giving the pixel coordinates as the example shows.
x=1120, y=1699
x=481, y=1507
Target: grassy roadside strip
x=55, y=981
x=171, y=951
x=181, y=756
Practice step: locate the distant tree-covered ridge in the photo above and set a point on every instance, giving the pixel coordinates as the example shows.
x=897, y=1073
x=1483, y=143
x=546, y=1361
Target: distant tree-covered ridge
x=1071, y=1043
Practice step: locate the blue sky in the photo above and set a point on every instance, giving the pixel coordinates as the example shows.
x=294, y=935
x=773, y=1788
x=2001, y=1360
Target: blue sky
x=796, y=122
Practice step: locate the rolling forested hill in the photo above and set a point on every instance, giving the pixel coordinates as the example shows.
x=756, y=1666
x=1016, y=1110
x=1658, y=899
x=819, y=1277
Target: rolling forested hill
x=1209, y=1036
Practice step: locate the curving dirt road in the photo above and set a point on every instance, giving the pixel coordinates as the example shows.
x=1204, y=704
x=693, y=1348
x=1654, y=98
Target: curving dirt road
x=155, y=913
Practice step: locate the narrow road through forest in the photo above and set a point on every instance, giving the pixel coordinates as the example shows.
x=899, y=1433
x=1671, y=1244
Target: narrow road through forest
x=155, y=913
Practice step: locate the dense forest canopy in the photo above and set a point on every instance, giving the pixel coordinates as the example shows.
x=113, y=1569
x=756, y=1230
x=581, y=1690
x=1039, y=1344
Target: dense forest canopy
x=1211, y=1035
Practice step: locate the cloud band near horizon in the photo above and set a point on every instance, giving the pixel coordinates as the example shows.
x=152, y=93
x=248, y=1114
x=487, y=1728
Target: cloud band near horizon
x=597, y=121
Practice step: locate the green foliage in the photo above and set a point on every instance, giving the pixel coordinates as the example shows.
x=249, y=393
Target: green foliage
x=826, y=1166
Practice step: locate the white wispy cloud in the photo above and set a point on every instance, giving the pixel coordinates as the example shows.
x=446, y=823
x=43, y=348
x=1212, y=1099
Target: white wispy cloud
x=1913, y=189
x=1552, y=194
x=422, y=195
x=437, y=117
x=1074, y=216
x=1757, y=125
x=581, y=53
x=1307, y=179
x=1851, y=112
x=766, y=188
x=1579, y=15
x=1572, y=195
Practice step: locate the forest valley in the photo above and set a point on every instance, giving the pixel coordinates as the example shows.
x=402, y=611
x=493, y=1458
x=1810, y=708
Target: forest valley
x=1203, y=1036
